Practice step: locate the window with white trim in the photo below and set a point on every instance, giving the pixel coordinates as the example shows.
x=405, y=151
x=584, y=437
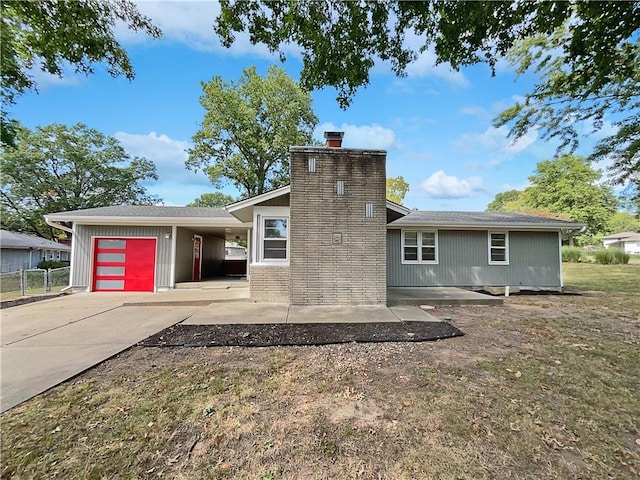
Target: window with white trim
x=498, y=248
x=274, y=238
x=419, y=246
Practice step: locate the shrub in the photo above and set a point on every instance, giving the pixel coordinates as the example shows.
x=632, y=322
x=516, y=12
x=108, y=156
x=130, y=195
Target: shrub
x=611, y=256
x=571, y=254
x=47, y=264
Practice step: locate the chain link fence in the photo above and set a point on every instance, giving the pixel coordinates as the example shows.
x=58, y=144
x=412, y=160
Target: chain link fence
x=33, y=281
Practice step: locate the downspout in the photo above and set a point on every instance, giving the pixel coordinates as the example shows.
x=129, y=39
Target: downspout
x=72, y=231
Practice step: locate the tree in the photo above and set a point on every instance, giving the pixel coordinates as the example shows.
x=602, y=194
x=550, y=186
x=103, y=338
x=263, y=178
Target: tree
x=569, y=185
x=58, y=168
x=565, y=100
x=215, y=199
x=397, y=188
x=502, y=201
x=248, y=127
x=341, y=40
x=623, y=222
x=47, y=34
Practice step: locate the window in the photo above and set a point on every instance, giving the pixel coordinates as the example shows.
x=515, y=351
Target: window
x=274, y=239
x=271, y=235
x=419, y=246
x=498, y=248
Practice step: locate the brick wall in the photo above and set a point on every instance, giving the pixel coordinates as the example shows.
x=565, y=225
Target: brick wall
x=338, y=256
x=270, y=283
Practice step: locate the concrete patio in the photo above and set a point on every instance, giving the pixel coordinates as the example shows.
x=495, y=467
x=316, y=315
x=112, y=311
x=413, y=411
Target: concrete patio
x=438, y=296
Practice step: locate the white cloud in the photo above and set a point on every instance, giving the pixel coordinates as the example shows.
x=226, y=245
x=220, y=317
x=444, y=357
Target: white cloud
x=441, y=185
x=191, y=23
x=507, y=186
x=360, y=136
x=168, y=155
x=425, y=67
x=495, y=140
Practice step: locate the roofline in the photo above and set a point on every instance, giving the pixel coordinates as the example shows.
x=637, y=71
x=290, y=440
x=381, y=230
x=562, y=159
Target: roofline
x=248, y=202
x=150, y=221
x=396, y=207
x=485, y=226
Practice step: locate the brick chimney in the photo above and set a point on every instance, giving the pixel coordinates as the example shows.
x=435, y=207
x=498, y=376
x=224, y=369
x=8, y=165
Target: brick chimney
x=333, y=139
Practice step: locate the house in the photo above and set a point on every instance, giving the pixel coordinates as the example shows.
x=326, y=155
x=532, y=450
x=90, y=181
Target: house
x=21, y=251
x=330, y=237
x=627, y=241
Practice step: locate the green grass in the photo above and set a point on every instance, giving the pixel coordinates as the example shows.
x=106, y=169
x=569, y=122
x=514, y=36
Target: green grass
x=543, y=387
x=605, y=278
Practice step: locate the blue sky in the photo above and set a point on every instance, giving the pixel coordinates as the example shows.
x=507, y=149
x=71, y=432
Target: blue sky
x=435, y=123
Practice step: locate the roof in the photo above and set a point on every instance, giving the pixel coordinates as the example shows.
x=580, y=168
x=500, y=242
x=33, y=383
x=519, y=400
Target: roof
x=151, y=215
x=629, y=236
x=22, y=241
x=482, y=220
x=238, y=207
x=159, y=211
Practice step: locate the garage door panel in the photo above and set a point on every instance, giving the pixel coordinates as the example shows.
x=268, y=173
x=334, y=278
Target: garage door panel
x=124, y=264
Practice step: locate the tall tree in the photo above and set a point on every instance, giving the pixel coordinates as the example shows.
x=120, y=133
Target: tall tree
x=215, y=199
x=248, y=127
x=565, y=100
x=58, y=168
x=47, y=34
x=503, y=200
x=397, y=188
x=569, y=185
x=341, y=40
x=623, y=222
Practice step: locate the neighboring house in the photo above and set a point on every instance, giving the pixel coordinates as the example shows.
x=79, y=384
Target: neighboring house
x=19, y=251
x=330, y=237
x=233, y=251
x=627, y=241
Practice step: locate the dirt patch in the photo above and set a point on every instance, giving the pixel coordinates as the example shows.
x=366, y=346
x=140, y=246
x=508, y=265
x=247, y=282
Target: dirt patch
x=268, y=335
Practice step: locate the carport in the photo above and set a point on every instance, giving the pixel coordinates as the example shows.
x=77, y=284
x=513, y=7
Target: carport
x=147, y=248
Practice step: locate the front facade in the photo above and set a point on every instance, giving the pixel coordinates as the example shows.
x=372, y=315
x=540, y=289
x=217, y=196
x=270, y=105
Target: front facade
x=328, y=238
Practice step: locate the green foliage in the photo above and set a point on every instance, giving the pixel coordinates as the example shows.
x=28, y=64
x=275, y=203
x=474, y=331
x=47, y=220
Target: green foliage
x=571, y=254
x=215, y=199
x=572, y=92
x=397, y=188
x=623, y=222
x=47, y=264
x=503, y=202
x=57, y=168
x=47, y=34
x=248, y=128
x=569, y=185
x=341, y=40
x=611, y=256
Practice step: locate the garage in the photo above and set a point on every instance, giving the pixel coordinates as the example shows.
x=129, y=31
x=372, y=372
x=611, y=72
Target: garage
x=124, y=264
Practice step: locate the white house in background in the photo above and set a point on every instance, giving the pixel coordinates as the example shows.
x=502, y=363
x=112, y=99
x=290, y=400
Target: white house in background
x=18, y=251
x=627, y=241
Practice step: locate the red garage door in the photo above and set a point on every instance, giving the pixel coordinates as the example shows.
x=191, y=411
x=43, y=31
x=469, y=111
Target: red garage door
x=124, y=264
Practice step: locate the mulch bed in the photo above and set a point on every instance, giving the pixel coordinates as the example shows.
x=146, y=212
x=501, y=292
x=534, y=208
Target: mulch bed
x=269, y=335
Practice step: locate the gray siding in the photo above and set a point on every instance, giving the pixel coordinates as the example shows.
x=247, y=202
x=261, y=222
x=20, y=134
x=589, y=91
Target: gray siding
x=184, y=255
x=463, y=261
x=83, y=251
x=13, y=260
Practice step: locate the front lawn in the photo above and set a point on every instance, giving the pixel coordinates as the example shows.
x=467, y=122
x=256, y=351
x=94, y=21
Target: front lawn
x=543, y=387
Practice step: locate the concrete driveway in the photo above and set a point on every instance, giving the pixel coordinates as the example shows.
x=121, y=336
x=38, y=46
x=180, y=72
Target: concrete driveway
x=48, y=342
